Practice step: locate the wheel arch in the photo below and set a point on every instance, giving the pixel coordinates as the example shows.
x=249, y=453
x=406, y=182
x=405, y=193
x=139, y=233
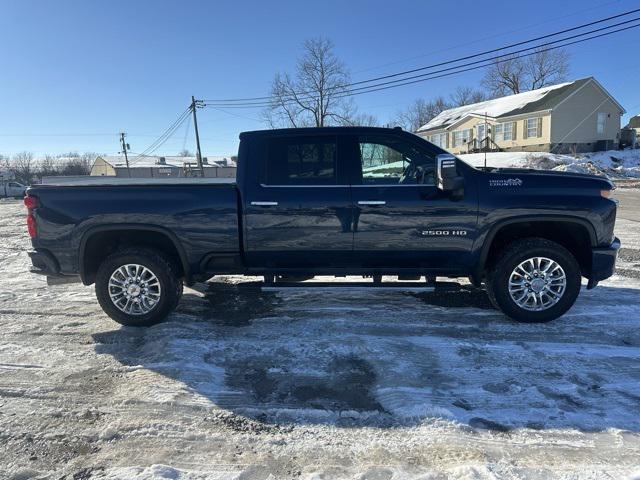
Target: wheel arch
x=553, y=227
x=160, y=238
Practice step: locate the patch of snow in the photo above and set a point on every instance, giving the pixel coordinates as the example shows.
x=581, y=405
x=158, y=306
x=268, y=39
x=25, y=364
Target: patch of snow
x=161, y=472
x=612, y=163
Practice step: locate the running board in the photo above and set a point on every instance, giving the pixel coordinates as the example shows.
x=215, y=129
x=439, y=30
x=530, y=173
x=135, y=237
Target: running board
x=417, y=287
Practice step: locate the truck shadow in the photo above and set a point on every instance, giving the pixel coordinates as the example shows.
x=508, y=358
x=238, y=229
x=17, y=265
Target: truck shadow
x=395, y=360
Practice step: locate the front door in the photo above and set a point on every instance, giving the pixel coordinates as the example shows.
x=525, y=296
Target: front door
x=401, y=218
x=299, y=214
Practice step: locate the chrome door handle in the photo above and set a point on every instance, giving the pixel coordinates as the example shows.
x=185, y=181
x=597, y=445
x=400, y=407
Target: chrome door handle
x=371, y=202
x=264, y=204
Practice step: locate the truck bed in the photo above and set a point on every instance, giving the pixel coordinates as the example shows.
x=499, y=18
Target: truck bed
x=199, y=216
x=116, y=181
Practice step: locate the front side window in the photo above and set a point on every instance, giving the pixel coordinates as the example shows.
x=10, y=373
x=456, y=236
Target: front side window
x=532, y=127
x=389, y=161
x=602, y=120
x=301, y=161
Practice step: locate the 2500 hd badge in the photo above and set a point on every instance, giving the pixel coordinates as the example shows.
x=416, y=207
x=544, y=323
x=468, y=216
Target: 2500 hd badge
x=444, y=233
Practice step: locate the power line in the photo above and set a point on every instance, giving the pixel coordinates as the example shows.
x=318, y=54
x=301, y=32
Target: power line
x=164, y=137
x=186, y=134
x=452, y=70
x=500, y=59
x=487, y=61
x=232, y=113
x=483, y=39
x=231, y=101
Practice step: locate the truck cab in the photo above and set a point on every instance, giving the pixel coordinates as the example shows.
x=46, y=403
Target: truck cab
x=357, y=199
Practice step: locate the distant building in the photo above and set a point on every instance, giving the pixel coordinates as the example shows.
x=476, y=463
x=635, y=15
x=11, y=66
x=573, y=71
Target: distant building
x=161, y=167
x=634, y=122
x=578, y=116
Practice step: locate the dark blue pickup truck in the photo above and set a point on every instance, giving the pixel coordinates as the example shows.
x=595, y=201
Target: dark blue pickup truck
x=341, y=201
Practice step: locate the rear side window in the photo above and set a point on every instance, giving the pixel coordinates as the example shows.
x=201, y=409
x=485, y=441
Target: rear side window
x=301, y=161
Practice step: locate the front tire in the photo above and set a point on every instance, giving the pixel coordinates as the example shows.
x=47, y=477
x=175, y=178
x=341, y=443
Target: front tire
x=534, y=280
x=138, y=287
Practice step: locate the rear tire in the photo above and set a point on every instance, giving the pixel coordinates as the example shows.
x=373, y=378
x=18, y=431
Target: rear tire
x=547, y=293
x=138, y=287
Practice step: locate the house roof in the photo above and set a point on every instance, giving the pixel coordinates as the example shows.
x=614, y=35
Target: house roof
x=118, y=161
x=522, y=103
x=634, y=122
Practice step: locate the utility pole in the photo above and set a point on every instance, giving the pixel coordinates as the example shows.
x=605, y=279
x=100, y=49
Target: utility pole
x=125, y=147
x=194, y=105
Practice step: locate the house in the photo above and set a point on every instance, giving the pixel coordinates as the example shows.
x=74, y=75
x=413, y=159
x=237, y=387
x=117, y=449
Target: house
x=634, y=123
x=152, y=166
x=578, y=116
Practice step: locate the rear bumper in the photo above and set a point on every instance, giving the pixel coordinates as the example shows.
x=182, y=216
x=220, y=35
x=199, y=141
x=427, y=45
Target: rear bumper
x=603, y=262
x=46, y=264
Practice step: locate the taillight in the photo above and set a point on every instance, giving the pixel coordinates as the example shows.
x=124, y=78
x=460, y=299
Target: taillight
x=31, y=203
x=31, y=226
x=605, y=193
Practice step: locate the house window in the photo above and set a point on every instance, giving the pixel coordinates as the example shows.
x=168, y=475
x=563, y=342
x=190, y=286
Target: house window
x=460, y=137
x=503, y=131
x=439, y=139
x=602, y=120
x=532, y=127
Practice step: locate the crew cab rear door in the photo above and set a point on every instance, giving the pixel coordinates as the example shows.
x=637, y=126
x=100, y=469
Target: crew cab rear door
x=297, y=209
x=401, y=218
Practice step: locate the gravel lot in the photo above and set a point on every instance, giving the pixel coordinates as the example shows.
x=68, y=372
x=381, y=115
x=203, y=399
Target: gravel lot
x=240, y=385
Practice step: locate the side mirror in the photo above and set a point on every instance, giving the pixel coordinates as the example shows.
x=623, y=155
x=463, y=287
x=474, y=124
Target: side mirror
x=448, y=178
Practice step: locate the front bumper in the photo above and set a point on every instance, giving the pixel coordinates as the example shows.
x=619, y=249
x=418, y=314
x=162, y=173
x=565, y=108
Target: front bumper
x=603, y=262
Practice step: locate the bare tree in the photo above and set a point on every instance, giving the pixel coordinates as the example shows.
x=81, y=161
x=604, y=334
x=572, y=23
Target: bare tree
x=185, y=153
x=23, y=167
x=420, y=112
x=78, y=164
x=466, y=96
x=313, y=96
x=547, y=68
x=48, y=167
x=514, y=74
x=360, y=120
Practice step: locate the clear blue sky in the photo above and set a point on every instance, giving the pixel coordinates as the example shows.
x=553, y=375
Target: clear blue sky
x=73, y=73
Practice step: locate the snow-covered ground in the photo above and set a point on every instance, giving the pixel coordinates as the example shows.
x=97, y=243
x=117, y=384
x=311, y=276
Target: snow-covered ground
x=242, y=385
x=613, y=163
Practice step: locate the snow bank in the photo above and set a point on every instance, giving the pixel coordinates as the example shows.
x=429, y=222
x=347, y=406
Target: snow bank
x=612, y=163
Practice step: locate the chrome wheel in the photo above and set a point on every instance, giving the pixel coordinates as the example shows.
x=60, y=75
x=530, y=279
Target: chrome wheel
x=134, y=289
x=537, y=284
